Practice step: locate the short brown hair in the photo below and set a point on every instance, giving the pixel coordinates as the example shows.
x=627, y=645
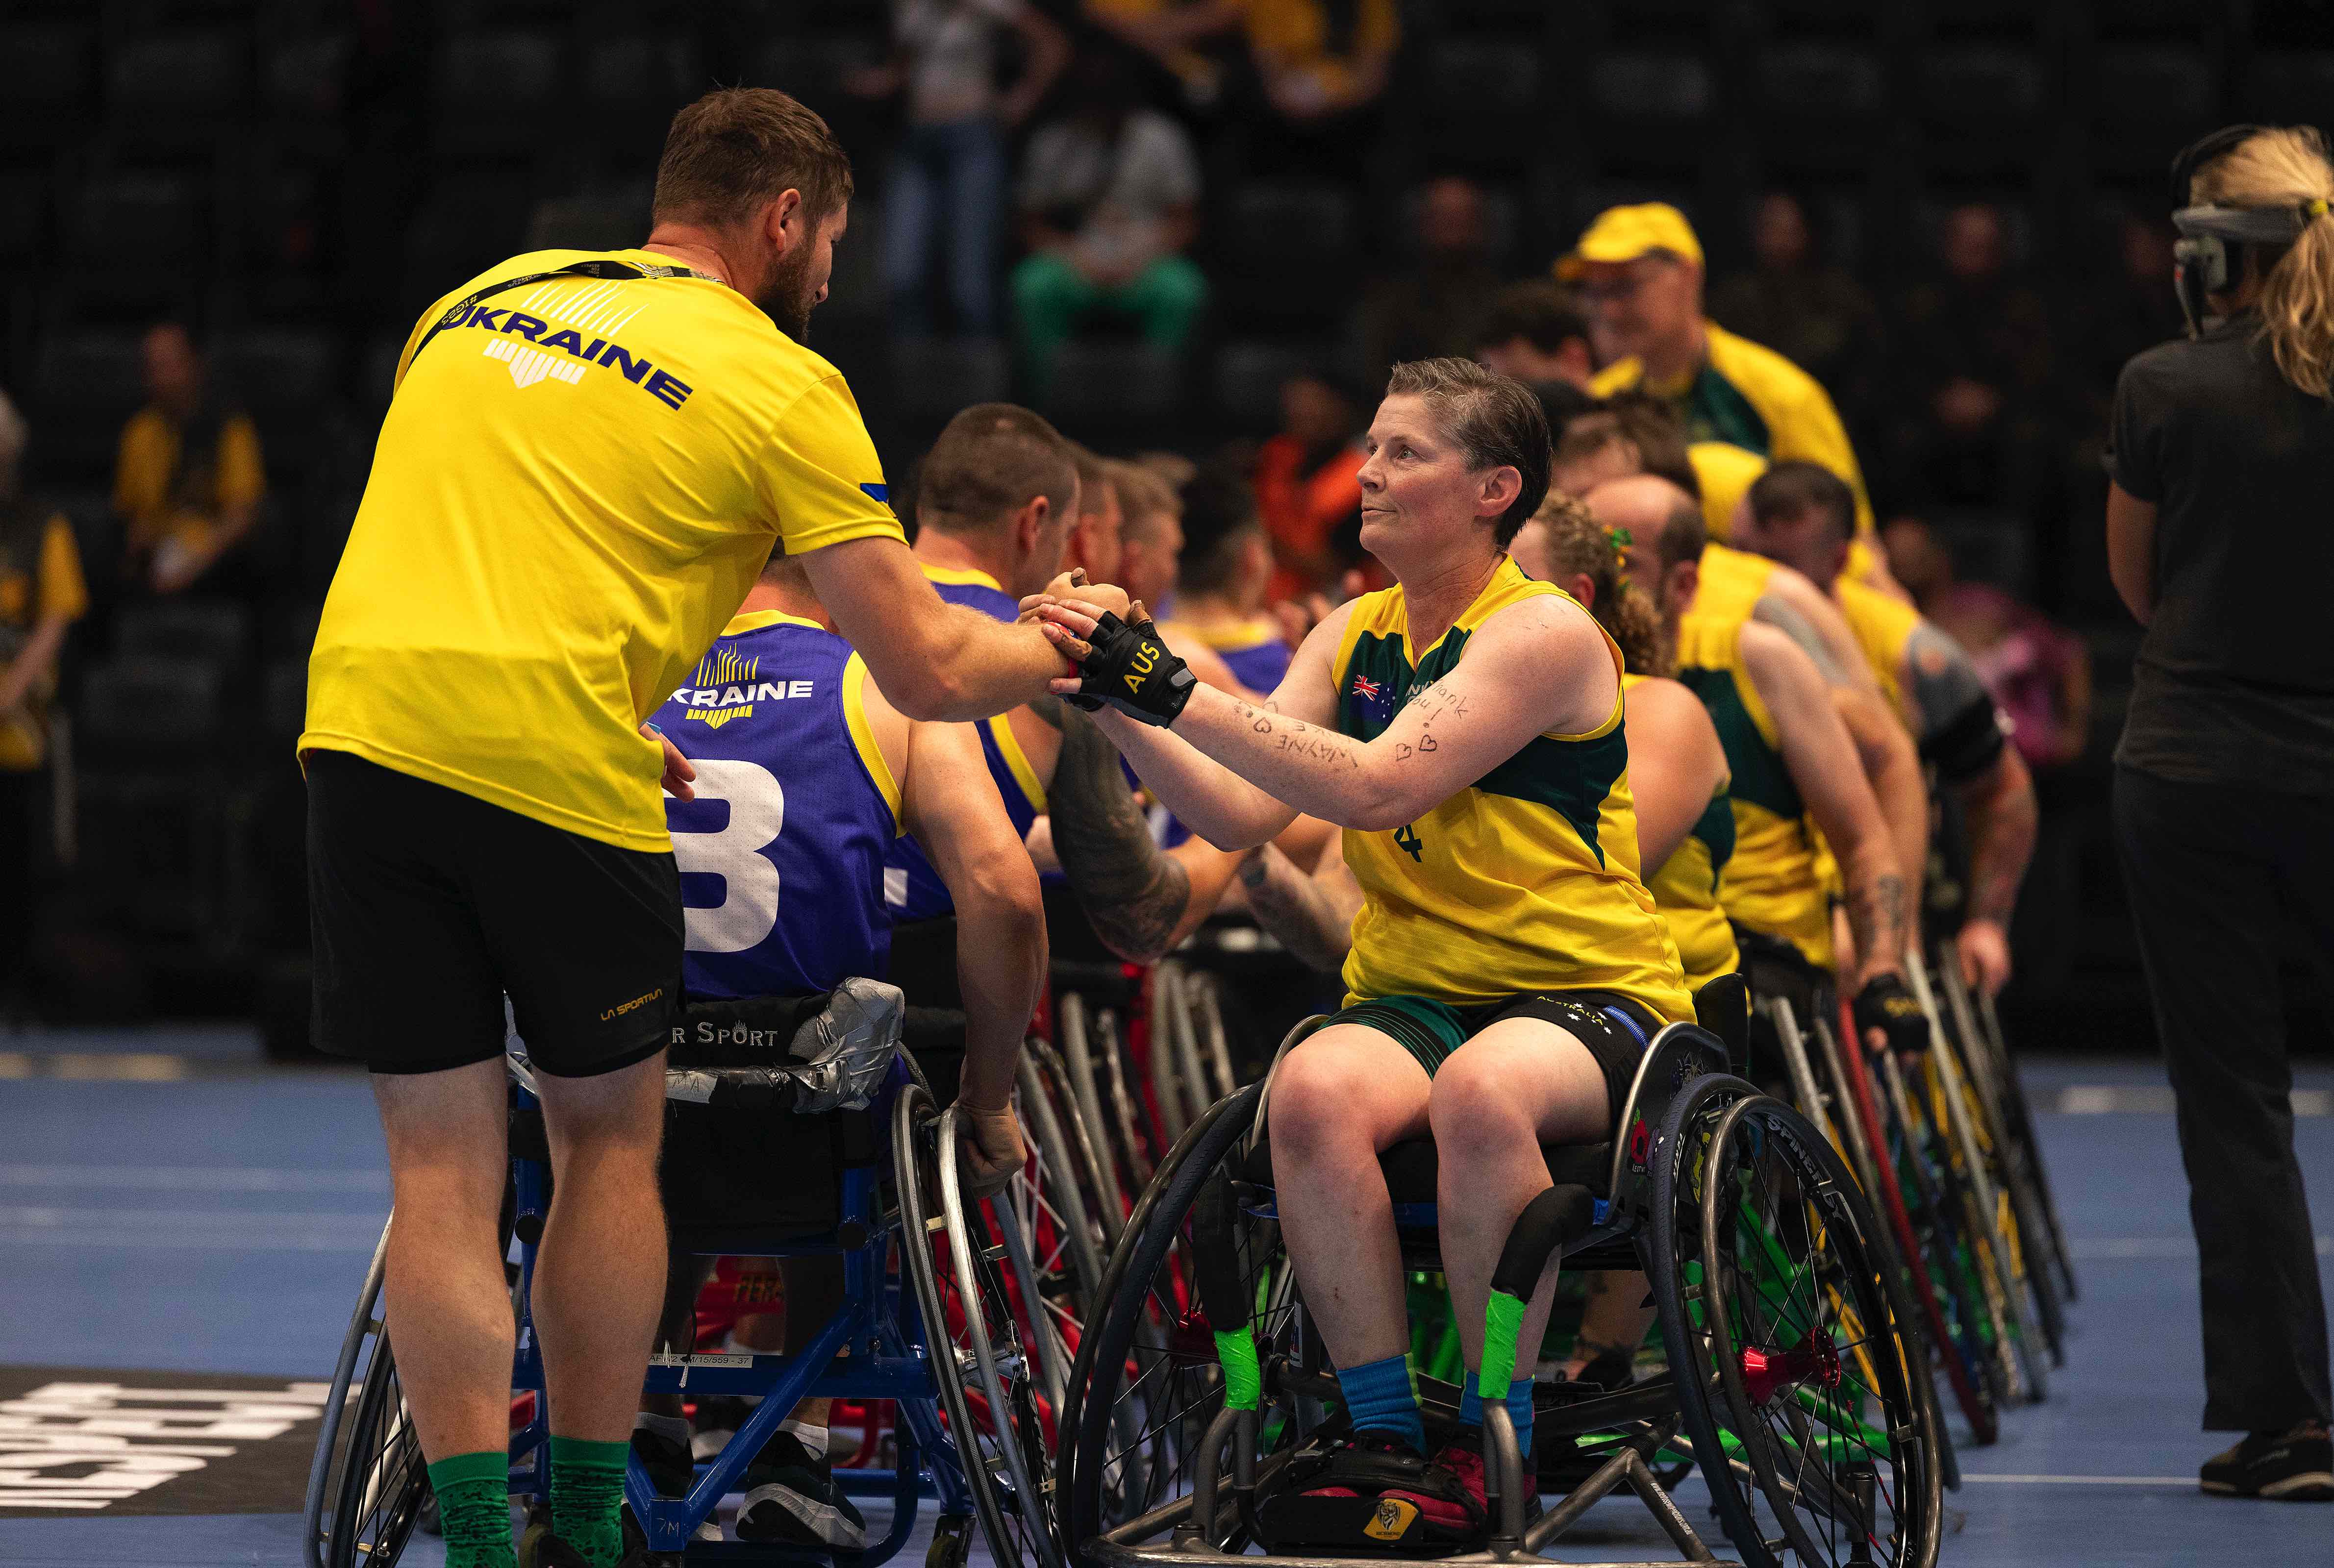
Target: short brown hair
x=1794, y=484
x=732, y=151
x=1094, y=473
x=1495, y=419
x=990, y=461
x=1142, y=494
x=1646, y=427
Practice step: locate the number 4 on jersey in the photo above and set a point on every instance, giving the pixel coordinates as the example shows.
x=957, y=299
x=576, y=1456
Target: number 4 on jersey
x=1406, y=836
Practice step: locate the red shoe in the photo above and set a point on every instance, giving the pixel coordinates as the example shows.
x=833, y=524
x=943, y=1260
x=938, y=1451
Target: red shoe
x=1456, y=1508
x=1368, y=1459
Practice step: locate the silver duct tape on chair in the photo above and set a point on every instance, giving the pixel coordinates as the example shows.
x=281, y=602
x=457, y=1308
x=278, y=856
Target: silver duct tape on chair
x=848, y=1047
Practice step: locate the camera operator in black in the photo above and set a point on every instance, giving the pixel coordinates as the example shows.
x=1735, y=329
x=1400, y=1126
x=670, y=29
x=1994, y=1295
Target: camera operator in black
x=2217, y=538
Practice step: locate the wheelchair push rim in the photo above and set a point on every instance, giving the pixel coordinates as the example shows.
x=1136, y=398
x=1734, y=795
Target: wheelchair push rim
x=1817, y=1387
x=988, y=1375
x=366, y=1448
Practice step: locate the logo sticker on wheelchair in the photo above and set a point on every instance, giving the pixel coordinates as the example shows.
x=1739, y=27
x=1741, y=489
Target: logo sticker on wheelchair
x=1392, y=1520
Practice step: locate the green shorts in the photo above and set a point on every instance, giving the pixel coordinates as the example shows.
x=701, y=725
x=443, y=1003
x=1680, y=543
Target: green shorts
x=1616, y=1029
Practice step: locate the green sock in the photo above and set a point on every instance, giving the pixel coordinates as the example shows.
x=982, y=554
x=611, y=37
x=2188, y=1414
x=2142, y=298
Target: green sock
x=587, y=1491
x=474, y=1501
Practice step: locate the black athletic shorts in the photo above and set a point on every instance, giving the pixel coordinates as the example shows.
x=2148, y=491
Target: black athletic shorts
x=427, y=906
x=1616, y=1029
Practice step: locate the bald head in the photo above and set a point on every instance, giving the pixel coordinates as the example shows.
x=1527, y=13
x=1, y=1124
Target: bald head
x=1664, y=534
x=1657, y=514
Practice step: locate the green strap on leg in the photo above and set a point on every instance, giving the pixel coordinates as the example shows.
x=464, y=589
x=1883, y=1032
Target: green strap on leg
x=1503, y=1321
x=1243, y=1382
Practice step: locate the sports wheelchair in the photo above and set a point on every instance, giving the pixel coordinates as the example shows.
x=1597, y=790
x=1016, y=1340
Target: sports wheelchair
x=960, y=1314
x=1797, y=1371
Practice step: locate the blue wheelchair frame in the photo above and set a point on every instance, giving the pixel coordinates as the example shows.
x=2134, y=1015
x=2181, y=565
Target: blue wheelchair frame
x=874, y=1348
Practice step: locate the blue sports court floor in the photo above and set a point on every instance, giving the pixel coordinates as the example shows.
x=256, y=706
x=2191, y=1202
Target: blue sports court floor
x=167, y=1204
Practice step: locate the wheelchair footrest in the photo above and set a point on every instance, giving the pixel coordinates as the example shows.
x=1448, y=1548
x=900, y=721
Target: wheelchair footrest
x=1294, y=1516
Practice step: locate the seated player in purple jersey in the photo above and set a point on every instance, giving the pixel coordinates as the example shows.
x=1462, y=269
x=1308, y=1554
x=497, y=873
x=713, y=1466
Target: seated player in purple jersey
x=806, y=777
x=997, y=501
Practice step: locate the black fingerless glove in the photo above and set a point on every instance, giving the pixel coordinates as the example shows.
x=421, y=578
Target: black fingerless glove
x=1886, y=1005
x=1130, y=668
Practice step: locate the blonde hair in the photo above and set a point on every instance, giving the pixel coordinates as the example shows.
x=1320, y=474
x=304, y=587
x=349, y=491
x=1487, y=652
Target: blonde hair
x=2287, y=166
x=1578, y=543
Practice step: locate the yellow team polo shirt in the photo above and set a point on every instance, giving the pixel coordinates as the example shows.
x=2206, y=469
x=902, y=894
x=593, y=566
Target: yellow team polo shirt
x=1752, y=397
x=164, y=499
x=577, y=483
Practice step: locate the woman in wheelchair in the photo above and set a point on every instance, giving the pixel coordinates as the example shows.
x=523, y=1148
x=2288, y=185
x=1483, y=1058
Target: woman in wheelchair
x=1507, y=966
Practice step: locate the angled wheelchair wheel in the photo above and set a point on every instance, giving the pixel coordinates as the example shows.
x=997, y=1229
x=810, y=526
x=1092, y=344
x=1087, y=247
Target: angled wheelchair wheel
x=1151, y=1376
x=367, y=1482
x=983, y=1336
x=1127, y=1118
x=1820, y=1376
x=1050, y=1204
x=1900, y=1195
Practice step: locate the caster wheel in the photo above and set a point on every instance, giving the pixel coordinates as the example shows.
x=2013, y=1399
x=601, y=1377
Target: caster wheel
x=952, y=1543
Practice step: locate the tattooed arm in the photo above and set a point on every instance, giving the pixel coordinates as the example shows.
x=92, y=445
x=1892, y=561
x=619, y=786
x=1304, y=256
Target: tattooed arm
x=1822, y=762
x=1536, y=666
x=1142, y=899
x=1312, y=915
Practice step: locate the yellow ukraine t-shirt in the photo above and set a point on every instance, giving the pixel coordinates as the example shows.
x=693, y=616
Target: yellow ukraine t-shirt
x=575, y=486
x=40, y=579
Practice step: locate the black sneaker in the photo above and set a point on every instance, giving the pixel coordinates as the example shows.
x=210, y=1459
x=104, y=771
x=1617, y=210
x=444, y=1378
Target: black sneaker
x=2296, y=1466
x=539, y=1548
x=795, y=1504
x=672, y=1470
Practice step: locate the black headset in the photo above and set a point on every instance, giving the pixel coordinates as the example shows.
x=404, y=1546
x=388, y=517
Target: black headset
x=2208, y=258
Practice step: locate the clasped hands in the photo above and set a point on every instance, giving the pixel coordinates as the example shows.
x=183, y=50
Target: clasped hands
x=1115, y=651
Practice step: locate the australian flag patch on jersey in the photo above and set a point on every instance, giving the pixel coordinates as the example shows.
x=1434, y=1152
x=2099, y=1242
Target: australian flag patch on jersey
x=1370, y=696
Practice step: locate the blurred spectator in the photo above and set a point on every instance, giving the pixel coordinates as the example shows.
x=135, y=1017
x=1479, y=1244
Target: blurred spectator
x=948, y=172
x=1535, y=332
x=189, y=480
x=41, y=595
x=1176, y=33
x=1109, y=202
x=1434, y=307
x=1970, y=353
x=2124, y=310
x=1308, y=491
x=2038, y=671
x=1227, y=573
x=1323, y=58
x=1640, y=273
x=1808, y=310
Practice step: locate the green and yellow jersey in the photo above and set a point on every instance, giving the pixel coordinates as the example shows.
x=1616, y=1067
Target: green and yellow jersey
x=574, y=489
x=1748, y=396
x=1526, y=879
x=1773, y=882
x=1685, y=889
x=1725, y=474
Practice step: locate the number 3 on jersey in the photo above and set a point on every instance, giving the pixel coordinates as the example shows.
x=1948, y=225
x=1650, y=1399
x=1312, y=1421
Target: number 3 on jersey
x=749, y=910
x=1406, y=838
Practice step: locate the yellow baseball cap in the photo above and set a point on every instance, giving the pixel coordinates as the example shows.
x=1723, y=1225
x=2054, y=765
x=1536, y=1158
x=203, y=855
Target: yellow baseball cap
x=1623, y=233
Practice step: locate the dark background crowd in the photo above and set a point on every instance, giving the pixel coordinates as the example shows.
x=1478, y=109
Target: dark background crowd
x=1203, y=226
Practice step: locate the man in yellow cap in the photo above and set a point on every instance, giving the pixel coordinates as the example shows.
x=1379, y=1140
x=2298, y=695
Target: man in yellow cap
x=1639, y=271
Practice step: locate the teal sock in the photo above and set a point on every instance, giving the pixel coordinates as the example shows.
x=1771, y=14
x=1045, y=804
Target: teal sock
x=587, y=1493
x=1379, y=1398
x=1520, y=1410
x=474, y=1501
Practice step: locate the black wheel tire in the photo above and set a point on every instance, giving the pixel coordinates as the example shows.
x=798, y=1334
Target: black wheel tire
x=381, y=1465
x=1096, y=1375
x=1906, y=1395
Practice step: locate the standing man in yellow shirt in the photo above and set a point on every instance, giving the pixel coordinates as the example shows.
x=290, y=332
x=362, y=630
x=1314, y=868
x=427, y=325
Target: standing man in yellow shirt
x=1639, y=271
x=586, y=461
x=189, y=480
